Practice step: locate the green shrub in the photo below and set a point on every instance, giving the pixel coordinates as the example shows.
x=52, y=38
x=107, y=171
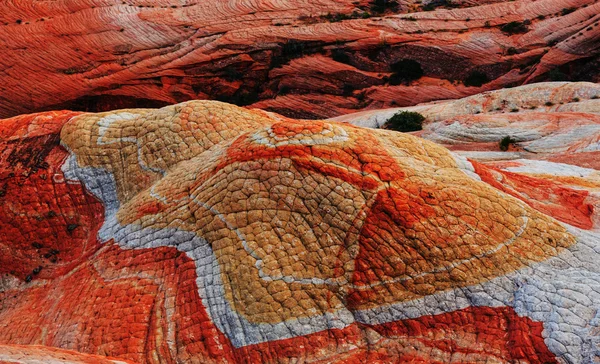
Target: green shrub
x=405, y=121
x=292, y=49
x=476, y=78
x=506, y=142
x=514, y=27
x=432, y=5
x=380, y=6
x=405, y=70
x=334, y=18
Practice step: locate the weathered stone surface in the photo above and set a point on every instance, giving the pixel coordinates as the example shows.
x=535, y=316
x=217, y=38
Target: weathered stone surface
x=545, y=97
x=28, y=354
x=292, y=57
x=203, y=232
x=557, y=121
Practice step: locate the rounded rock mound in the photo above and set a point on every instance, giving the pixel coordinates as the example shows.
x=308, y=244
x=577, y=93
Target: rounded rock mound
x=206, y=232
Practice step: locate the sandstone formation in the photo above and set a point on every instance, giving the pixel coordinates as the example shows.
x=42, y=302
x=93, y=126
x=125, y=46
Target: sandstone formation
x=557, y=121
x=300, y=58
x=28, y=354
x=204, y=232
x=545, y=97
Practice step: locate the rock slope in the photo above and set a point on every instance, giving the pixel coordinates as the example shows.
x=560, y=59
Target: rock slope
x=307, y=59
x=28, y=354
x=203, y=232
x=556, y=121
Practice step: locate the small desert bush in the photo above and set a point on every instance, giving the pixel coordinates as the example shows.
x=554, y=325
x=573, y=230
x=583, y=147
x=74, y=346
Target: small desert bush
x=514, y=27
x=476, y=78
x=405, y=70
x=506, y=142
x=405, y=121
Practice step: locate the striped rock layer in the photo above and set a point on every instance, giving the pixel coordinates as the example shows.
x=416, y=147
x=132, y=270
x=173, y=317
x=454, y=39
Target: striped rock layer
x=301, y=58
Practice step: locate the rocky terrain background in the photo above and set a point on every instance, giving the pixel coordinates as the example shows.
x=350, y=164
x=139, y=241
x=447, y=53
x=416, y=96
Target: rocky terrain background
x=199, y=231
x=303, y=59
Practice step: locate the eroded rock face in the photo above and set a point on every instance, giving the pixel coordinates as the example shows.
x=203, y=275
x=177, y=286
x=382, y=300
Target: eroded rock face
x=25, y=354
x=554, y=121
x=543, y=97
x=292, y=57
x=203, y=232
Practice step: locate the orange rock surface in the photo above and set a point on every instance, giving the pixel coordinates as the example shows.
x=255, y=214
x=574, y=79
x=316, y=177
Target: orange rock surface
x=305, y=59
x=204, y=232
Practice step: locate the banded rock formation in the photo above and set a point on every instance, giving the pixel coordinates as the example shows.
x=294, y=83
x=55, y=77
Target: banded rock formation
x=555, y=121
x=545, y=97
x=203, y=232
x=299, y=58
x=28, y=354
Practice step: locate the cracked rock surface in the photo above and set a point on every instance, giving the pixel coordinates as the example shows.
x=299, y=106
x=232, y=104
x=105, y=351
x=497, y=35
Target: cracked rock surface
x=204, y=232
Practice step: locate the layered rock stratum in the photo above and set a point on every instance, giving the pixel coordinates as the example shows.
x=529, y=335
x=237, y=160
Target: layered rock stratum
x=303, y=59
x=28, y=354
x=205, y=232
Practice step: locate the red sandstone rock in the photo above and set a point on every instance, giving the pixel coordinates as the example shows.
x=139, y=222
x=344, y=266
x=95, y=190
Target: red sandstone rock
x=277, y=55
x=202, y=232
x=25, y=354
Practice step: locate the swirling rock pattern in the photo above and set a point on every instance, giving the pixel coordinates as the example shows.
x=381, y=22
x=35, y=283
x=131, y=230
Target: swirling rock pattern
x=21, y=354
x=203, y=232
x=544, y=97
x=287, y=56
